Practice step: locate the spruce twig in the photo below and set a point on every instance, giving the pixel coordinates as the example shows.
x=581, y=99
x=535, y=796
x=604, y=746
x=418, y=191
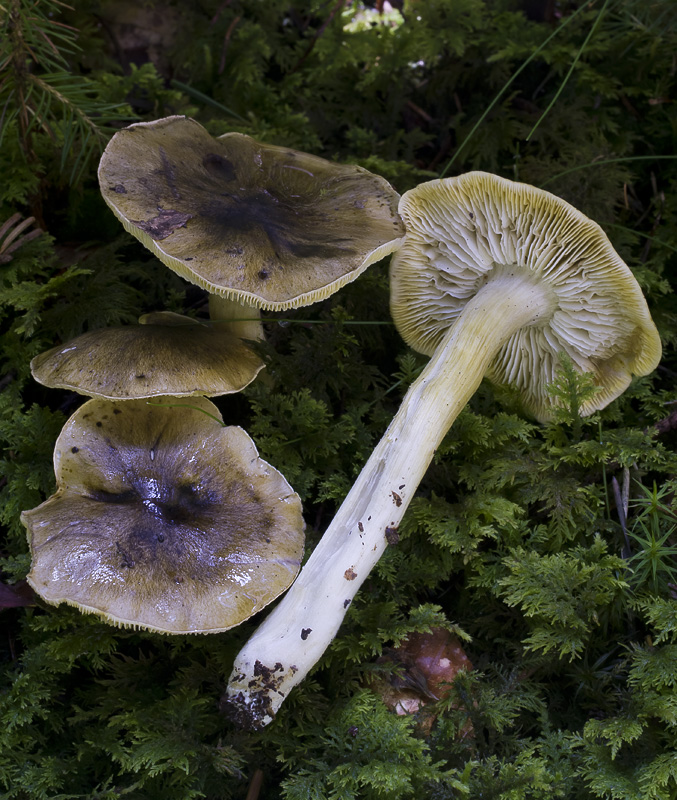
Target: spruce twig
x=40, y=93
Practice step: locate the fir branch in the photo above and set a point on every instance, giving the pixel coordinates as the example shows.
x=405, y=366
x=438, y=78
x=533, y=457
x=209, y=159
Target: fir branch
x=37, y=86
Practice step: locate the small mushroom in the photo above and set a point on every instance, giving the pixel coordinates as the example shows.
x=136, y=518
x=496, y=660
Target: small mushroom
x=420, y=671
x=261, y=225
x=166, y=354
x=494, y=278
x=163, y=519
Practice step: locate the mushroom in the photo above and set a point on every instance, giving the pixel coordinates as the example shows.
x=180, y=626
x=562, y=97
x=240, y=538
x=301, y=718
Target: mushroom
x=166, y=354
x=420, y=671
x=260, y=225
x=163, y=519
x=494, y=278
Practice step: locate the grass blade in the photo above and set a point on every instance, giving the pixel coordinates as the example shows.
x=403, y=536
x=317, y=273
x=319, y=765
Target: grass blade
x=491, y=105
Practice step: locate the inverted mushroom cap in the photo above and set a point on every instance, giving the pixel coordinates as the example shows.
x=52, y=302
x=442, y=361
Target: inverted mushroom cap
x=163, y=519
x=462, y=231
x=265, y=225
x=167, y=354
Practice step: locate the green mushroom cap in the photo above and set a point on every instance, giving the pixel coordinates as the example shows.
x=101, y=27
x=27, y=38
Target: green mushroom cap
x=260, y=224
x=167, y=354
x=163, y=519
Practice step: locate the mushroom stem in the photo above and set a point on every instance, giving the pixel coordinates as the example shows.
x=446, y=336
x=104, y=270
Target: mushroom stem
x=295, y=635
x=241, y=319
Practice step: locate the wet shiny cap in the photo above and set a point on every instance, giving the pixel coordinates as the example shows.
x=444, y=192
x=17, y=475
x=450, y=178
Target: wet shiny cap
x=462, y=231
x=163, y=519
x=260, y=224
x=167, y=354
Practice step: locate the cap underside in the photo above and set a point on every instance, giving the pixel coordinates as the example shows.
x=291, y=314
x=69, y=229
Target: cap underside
x=460, y=230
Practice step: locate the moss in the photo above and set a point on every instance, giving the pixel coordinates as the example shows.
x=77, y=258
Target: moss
x=515, y=538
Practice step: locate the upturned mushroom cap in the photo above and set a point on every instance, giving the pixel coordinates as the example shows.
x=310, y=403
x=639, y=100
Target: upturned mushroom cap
x=167, y=354
x=264, y=225
x=163, y=519
x=461, y=231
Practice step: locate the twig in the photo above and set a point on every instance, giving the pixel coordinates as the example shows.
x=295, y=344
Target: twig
x=220, y=11
x=226, y=42
x=255, y=785
x=418, y=110
x=667, y=424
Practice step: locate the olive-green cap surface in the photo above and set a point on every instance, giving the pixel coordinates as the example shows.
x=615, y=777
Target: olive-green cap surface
x=163, y=519
x=167, y=354
x=261, y=224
